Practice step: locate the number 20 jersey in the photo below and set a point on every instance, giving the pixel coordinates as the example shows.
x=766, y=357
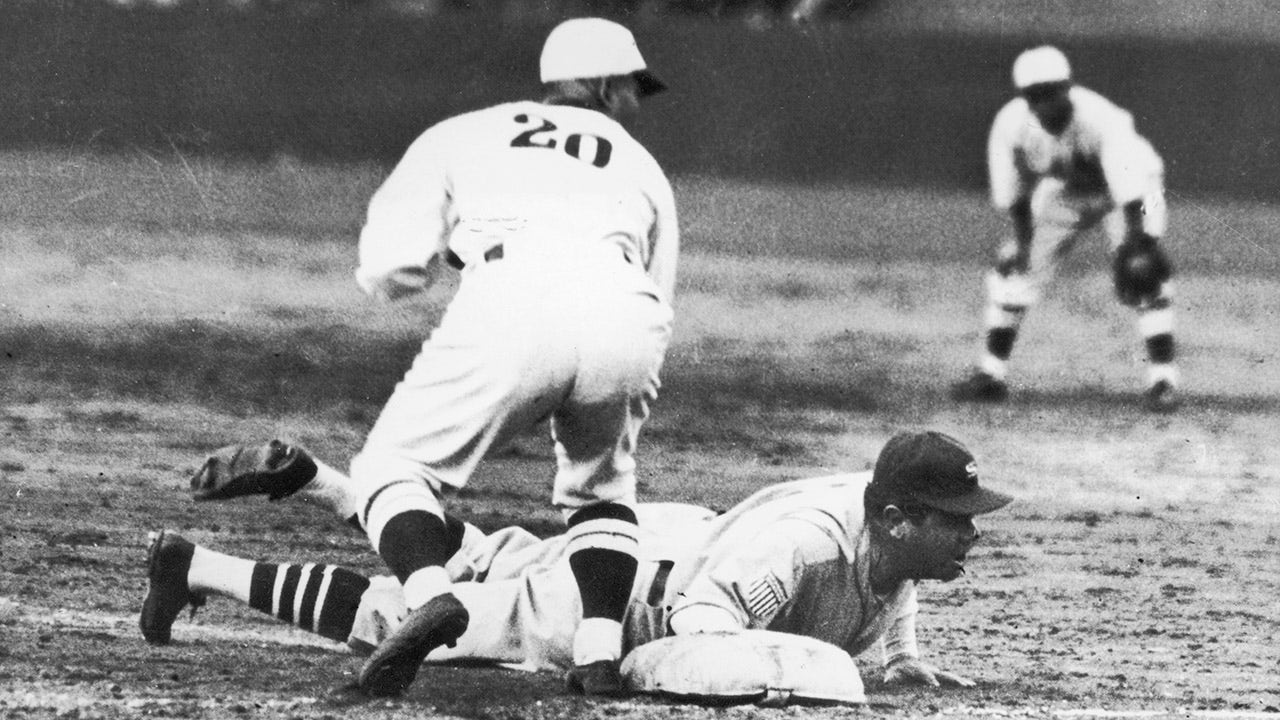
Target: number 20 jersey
x=548, y=181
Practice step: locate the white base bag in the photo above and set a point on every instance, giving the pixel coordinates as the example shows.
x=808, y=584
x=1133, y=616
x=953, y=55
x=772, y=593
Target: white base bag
x=767, y=668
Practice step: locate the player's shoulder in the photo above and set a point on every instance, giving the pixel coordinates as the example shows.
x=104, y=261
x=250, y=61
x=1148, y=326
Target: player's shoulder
x=471, y=120
x=1098, y=113
x=852, y=481
x=796, y=488
x=1011, y=118
x=1087, y=98
x=1014, y=107
x=463, y=132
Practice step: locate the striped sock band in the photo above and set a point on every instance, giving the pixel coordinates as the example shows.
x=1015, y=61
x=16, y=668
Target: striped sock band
x=322, y=599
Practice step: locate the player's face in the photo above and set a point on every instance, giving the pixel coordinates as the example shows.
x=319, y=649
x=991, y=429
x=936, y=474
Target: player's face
x=1051, y=104
x=939, y=545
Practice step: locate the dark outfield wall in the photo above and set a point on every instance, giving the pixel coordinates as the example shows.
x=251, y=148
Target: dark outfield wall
x=827, y=104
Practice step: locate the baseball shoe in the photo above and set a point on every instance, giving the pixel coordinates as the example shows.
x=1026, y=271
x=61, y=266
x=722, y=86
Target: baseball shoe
x=274, y=469
x=392, y=667
x=601, y=678
x=168, y=562
x=980, y=387
x=1161, y=397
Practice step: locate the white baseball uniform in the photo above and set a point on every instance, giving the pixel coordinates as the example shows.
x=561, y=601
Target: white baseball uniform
x=791, y=558
x=567, y=226
x=1075, y=179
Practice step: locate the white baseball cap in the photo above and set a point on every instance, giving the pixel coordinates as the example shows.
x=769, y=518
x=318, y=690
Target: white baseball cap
x=1044, y=64
x=595, y=47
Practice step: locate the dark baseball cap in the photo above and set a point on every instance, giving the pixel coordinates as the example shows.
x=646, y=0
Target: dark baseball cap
x=935, y=470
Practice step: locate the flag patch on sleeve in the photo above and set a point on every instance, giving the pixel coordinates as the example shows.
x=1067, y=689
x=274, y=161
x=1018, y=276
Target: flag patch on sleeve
x=765, y=596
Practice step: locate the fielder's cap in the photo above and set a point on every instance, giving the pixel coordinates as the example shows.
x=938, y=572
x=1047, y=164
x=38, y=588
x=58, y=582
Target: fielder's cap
x=935, y=470
x=595, y=47
x=1044, y=64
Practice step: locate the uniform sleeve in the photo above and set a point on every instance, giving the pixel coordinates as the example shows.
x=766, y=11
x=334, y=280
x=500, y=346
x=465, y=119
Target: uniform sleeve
x=1129, y=164
x=407, y=224
x=664, y=239
x=1007, y=178
x=899, y=640
x=747, y=587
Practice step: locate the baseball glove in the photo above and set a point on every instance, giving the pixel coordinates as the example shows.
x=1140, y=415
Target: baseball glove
x=274, y=469
x=1139, y=270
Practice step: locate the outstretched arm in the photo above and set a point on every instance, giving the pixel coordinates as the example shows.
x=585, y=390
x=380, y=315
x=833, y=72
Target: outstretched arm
x=902, y=663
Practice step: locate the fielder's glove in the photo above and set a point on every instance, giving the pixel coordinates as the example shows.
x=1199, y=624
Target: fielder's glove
x=1139, y=269
x=909, y=670
x=274, y=469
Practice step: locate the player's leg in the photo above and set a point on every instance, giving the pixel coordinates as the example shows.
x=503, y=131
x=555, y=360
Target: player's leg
x=1057, y=221
x=1155, y=315
x=405, y=522
x=277, y=469
x=269, y=468
x=528, y=619
x=621, y=352
x=486, y=374
x=316, y=597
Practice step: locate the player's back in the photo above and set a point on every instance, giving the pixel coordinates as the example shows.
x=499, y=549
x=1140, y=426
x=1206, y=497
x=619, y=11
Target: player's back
x=541, y=178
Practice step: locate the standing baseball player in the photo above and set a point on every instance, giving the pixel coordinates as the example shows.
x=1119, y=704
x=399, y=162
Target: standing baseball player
x=835, y=558
x=1062, y=159
x=565, y=229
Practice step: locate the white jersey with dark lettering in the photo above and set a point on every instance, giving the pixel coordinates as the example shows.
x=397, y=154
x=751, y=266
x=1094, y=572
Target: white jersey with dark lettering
x=553, y=181
x=567, y=228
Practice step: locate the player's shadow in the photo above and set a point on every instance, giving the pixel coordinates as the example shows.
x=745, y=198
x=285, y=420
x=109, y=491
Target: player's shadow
x=1089, y=398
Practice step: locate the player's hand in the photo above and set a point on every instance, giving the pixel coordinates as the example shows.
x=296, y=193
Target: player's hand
x=913, y=671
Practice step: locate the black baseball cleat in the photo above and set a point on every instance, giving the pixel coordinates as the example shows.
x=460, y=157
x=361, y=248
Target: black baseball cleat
x=392, y=667
x=168, y=562
x=1161, y=397
x=980, y=387
x=275, y=469
x=601, y=678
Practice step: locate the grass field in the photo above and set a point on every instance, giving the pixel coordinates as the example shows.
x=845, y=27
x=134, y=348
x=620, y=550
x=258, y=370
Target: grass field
x=152, y=309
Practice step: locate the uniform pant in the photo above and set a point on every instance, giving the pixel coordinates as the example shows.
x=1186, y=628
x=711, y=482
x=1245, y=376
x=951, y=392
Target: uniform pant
x=578, y=341
x=524, y=600
x=1059, y=217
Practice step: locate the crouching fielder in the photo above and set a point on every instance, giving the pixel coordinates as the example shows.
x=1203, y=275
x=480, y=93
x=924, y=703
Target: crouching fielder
x=1062, y=159
x=835, y=559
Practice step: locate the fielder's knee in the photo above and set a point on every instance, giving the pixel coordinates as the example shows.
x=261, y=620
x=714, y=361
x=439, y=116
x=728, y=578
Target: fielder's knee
x=1015, y=291
x=603, y=526
x=397, y=498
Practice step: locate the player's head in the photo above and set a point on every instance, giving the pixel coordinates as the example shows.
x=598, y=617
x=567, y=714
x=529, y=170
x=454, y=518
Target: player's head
x=1042, y=77
x=921, y=501
x=595, y=63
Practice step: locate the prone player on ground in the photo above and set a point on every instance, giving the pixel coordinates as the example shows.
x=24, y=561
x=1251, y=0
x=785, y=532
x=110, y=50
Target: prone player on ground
x=1062, y=159
x=834, y=558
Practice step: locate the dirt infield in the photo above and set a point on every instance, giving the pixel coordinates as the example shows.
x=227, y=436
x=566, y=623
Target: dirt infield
x=1136, y=575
